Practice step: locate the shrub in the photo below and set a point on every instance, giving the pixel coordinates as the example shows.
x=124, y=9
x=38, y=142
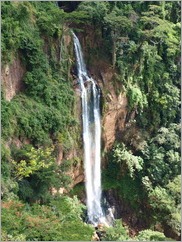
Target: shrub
x=149, y=235
x=121, y=155
x=45, y=223
x=116, y=233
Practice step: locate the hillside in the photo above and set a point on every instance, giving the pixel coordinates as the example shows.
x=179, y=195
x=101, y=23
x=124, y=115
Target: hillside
x=132, y=51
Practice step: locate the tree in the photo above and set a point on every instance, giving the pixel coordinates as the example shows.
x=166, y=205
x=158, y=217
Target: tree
x=149, y=235
x=117, y=25
x=116, y=233
x=124, y=157
x=37, y=173
x=162, y=157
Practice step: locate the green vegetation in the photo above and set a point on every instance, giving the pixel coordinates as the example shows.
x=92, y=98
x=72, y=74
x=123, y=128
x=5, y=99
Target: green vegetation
x=141, y=42
x=117, y=232
x=150, y=181
x=120, y=233
x=59, y=221
x=149, y=235
x=43, y=115
x=145, y=40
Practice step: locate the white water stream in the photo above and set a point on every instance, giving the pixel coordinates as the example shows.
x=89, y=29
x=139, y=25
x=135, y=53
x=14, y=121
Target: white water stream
x=90, y=95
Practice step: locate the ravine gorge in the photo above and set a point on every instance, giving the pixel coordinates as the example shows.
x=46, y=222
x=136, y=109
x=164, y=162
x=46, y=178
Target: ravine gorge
x=90, y=107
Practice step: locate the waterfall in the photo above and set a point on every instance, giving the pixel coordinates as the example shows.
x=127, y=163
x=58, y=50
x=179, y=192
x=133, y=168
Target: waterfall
x=90, y=96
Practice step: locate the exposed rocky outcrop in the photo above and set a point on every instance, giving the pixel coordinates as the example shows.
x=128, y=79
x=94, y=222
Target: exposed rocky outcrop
x=17, y=142
x=114, y=101
x=114, y=109
x=114, y=119
x=77, y=170
x=114, y=104
x=121, y=209
x=11, y=76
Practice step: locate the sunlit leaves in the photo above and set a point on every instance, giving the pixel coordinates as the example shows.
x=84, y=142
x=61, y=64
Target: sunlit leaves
x=160, y=30
x=116, y=233
x=36, y=160
x=150, y=235
x=60, y=221
x=162, y=157
x=136, y=99
x=117, y=22
x=174, y=188
x=122, y=155
x=94, y=10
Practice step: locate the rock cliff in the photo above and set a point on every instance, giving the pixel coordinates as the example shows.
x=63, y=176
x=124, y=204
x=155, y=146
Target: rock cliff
x=114, y=102
x=11, y=76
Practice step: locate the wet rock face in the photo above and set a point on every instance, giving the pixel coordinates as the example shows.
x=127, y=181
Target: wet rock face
x=122, y=210
x=114, y=103
x=113, y=106
x=115, y=203
x=12, y=75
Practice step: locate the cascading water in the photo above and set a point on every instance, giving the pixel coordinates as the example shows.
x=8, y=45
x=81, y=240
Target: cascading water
x=90, y=95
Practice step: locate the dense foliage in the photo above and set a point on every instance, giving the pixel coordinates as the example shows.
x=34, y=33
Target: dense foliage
x=141, y=41
x=60, y=220
x=40, y=118
x=146, y=53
